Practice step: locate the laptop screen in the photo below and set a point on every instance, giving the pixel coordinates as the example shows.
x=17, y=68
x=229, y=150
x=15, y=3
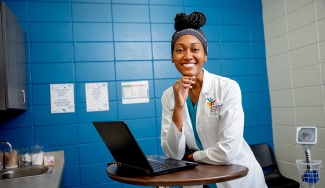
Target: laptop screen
x=122, y=144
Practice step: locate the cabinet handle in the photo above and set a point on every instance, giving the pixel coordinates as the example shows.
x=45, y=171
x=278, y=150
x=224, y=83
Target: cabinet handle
x=24, y=98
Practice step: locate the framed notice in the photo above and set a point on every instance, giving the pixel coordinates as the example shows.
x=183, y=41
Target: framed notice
x=135, y=92
x=97, y=96
x=62, y=98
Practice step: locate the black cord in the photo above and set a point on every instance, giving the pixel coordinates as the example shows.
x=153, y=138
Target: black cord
x=307, y=160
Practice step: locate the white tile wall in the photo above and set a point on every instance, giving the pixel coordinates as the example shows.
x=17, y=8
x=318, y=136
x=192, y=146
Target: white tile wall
x=295, y=48
x=308, y=96
x=283, y=116
x=286, y=152
x=303, y=36
x=273, y=11
x=275, y=28
x=278, y=63
x=307, y=76
x=302, y=16
x=322, y=51
x=281, y=98
x=310, y=116
x=277, y=45
x=318, y=154
x=295, y=4
x=284, y=134
x=321, y=29
x=305, y=56
x=323, y=72
x=320, y=4
x=280, y=80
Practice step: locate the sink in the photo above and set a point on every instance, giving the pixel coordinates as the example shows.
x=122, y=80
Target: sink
x=23, y=172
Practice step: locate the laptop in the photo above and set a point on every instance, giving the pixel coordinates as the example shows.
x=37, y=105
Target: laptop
x=128, y=154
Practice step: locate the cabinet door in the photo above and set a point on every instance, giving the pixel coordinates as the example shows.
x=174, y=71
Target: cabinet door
x=14, y=67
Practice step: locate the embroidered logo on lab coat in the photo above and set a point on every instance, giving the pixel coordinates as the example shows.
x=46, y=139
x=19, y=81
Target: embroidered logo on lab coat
x=213, y=107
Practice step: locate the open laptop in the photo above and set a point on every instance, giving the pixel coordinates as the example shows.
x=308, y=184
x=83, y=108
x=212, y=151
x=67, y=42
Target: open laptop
x=128, y=154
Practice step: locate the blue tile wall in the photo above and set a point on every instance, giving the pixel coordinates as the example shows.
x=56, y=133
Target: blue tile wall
x=133, y=51
x=50, y=32
x=232, y=4
x=214, y=66
x=94, y=51
x=234, y=33
x=200, y=3
x=233, y=16
x=131, y=32
x=230, y=67
x=214, y=51
x=49, y=12
x=162, y=32
x=165, y=69
x=90, y=32
x=71, y=176
x=103, y=71
x=88, y=12
x=161, y=50
x=132, y=70
x=89, y=1
x=51, y=52
x=164, y=14
x=130, y=13
x=166, y=2
x=114, y=41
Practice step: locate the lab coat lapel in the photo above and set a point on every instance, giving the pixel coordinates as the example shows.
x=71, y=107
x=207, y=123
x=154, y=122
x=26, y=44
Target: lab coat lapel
x=206, y=88
x=186, y=117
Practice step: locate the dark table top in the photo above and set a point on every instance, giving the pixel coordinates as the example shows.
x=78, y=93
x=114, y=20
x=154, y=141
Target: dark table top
x=199, y=175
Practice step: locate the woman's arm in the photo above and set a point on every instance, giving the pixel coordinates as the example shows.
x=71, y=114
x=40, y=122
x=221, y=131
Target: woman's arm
x=172, y=140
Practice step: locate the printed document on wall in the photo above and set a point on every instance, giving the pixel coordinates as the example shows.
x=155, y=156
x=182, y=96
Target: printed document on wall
x=62, y=98
x=135, y=92
x=97, y=96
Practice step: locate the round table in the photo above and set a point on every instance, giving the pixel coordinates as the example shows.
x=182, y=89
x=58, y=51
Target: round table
x=199, y=175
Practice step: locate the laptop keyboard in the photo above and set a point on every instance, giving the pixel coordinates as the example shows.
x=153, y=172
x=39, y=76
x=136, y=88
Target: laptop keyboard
x=159, y=165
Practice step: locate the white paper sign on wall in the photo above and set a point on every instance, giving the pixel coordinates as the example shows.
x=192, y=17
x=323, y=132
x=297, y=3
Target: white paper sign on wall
x=135, y=92
x=97, y=96
x=62, y=98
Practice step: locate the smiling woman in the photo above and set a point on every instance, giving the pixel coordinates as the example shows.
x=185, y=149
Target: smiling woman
x=202, y=113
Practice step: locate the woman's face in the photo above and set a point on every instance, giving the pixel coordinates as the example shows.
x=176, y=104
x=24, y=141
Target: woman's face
x=188, y=55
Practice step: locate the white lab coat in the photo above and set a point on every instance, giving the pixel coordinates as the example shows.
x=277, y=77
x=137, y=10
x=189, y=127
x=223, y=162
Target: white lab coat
x=220, y=126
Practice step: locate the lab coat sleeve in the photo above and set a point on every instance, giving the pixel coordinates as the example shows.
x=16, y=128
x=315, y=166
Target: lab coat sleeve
x=172, y=140
x=231, y=129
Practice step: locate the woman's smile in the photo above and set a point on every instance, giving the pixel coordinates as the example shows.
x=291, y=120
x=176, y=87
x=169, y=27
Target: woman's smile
x=189, y=64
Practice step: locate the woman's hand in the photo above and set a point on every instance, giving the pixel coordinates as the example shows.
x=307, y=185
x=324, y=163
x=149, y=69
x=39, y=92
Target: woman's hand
x=181, y=88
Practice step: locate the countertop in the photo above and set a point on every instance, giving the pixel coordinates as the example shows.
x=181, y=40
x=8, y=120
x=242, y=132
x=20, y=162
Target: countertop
x=48, y=180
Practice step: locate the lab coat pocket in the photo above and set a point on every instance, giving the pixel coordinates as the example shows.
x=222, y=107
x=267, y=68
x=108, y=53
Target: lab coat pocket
x=209, y=128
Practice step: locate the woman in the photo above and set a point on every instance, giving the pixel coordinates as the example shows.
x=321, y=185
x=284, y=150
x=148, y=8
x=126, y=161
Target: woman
x=202, y=111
